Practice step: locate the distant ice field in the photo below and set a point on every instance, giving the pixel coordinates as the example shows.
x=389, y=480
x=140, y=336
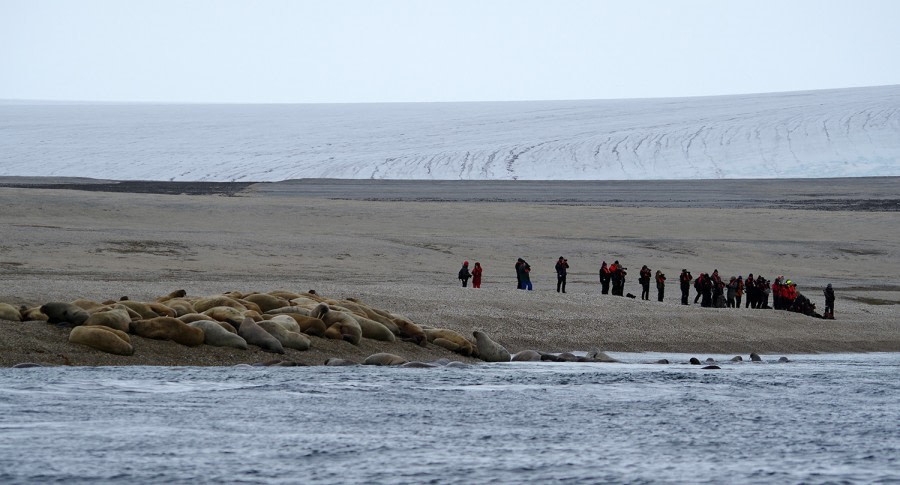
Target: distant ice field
x=834, y=133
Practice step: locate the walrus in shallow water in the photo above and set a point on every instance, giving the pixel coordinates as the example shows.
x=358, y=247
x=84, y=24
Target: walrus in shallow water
x=101, y=338
x=256, y=335
x=488, y=350
x=168, y=328
x=59, y=312
x=384, y=359
x=526, y=356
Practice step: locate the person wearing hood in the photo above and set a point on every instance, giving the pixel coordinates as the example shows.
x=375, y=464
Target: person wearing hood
x=476, y=275
x=685, y=280
x=739, y=291
x=660, y=285
x=562, y=265
x=526, y=275
x=519, y=263
x=604, y=279
x=732, y=292
x=829, y=302
x=464, y=274
x=644, y=280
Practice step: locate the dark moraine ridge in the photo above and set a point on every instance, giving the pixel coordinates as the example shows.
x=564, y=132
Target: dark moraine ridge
x=866, y=194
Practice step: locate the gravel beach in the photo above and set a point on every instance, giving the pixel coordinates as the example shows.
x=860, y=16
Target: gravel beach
x=397, y=249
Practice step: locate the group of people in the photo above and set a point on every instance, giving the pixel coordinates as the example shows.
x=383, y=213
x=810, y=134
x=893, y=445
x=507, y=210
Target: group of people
x=712, y=290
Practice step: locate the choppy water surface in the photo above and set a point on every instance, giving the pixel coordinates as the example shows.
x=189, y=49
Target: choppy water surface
x=818, y=419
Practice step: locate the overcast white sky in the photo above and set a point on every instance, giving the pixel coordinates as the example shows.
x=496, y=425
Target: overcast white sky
x=459, y=50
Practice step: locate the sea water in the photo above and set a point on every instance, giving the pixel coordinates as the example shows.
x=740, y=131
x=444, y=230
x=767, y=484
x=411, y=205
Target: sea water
x=816, y=419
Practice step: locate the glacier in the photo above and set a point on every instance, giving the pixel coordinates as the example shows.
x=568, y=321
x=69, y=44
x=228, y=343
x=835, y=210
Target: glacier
x=851, y=132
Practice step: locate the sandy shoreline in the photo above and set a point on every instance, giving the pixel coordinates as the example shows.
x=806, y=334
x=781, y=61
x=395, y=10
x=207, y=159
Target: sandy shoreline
x=402, y=255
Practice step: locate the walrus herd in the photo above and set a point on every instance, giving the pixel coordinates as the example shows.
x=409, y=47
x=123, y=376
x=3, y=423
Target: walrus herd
x=272, y=321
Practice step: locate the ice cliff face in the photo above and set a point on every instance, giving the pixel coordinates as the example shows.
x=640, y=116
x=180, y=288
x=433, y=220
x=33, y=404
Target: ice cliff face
x=835, y=133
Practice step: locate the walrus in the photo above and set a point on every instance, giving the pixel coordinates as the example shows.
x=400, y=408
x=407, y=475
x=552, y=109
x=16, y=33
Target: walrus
x=231, y=315
x=256, y=335
x=59, y=312
x=662, y=361
x=32, y=314
x=118, y=319
x=411, y=331
x=204, y=304
x=290, y=309
x=526, y=356
x=563, y=357
x=597, y=355
x=373, y=330
x=334, y=361
x=284, y=294
x=161, y=310
x=710, y=360
x=101, y=338
x=193, y=317
x=27, y=365
x=340, y=325
x=737, y=358
x=419, y=365
x=215, y=335
x=754, y=357
x=88, y=305
x=180, y=307
x=711, y=367
x=172, y=296
x=695, y=361
x=168, y=328
x=266, y=302
x=308, y=325
x=449, y=340
x=384, y=358
x=488, y=350
x=9, y=312
x=783, y=360
x=285, y=321
x=141, y=308
x=288, y=339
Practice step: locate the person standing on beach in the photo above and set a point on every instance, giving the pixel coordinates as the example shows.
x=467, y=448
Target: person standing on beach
x=519, y=263
x=829, y=302
x=562, y=265
x=644, y=280
x=685, y=280
x=464, y=274
x=698, y=285
x=476, y=275
x=526, y=275
x=732, y=292
x=660, y=285
x=604, y=279
x=739, y=291
x=750, y=285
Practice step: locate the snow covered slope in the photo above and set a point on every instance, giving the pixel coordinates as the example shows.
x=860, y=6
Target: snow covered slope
x=835, y=133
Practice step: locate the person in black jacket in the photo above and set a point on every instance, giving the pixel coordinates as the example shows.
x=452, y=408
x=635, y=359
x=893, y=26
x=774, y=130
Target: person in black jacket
x=464, y=274
x=604, y=279
x=644, y=280
x=561, y=266
x=829, y=302
x=685, y=280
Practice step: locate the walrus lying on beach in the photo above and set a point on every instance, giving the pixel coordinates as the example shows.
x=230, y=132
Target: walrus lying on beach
x=168, y=328
x=59, y=312
x=102, y=338
x=217, y=336
x=450, y=340
x=9, y=312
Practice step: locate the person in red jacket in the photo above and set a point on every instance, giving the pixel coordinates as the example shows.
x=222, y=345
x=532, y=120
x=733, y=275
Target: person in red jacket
x=476, y=275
